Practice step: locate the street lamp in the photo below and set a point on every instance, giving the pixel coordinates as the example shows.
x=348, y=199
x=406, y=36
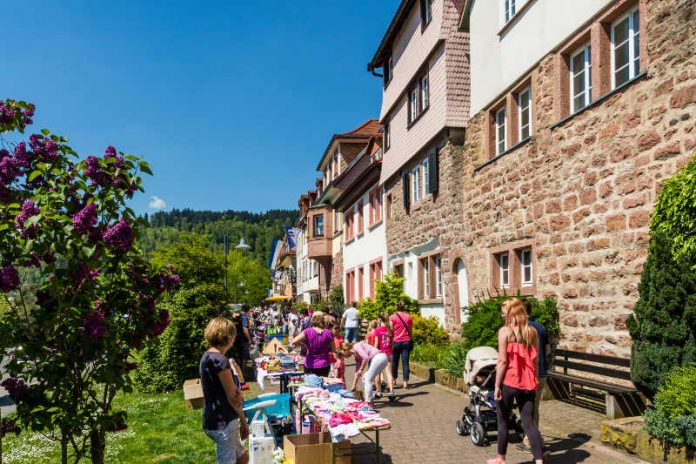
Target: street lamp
x=243, y=246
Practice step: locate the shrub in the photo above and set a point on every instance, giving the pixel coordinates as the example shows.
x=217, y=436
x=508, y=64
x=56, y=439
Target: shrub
x=428, y=331
x=673, y=419
x=388, y=293
x=430, y=355
x=485, y=319
x=663, y=325
x=455, y=358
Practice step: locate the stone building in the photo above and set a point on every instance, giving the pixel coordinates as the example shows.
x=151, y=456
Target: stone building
x=579, y=110
x=425, y=102
x=306, y=268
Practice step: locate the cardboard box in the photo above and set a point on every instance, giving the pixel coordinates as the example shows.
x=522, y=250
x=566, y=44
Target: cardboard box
x=314, y=448
x=193, y=394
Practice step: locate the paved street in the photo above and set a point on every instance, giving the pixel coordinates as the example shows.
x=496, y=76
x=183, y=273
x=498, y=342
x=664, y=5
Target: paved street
x=424, y=432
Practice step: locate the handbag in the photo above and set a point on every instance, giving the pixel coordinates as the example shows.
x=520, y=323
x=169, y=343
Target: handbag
x=408, y=329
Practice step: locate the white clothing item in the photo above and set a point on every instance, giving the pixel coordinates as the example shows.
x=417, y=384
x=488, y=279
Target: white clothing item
x=351, y=317
x=377, y=364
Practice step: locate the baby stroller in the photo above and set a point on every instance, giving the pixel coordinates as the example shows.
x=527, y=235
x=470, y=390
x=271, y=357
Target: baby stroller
x=480, y=416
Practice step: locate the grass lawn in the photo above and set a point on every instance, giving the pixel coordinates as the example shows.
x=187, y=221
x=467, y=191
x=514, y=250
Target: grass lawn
x=160, y=430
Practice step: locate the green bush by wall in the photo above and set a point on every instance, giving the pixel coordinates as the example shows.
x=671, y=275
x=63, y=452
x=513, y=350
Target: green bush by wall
x=673, y=419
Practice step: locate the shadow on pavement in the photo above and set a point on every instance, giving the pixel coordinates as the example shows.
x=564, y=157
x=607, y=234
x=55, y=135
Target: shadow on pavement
x=565, y=450
x=364, y=453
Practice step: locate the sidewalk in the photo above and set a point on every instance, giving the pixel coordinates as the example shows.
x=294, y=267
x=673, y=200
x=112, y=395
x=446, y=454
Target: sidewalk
x=423, y=431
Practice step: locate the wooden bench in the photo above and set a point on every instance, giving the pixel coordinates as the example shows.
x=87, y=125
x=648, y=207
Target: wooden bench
x=620, y=400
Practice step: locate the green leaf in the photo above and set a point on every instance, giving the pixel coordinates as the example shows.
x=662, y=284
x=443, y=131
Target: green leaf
x=145, y=167
x=34, y=175
x=88, y=251
x=131, y=157
x=4, y=226
x=45, y=131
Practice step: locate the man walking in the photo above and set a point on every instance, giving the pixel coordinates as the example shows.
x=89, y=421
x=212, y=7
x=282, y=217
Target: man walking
x=544, y=350
x=350, y=322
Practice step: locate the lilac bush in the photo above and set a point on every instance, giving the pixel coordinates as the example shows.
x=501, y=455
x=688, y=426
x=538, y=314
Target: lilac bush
x=81, y=295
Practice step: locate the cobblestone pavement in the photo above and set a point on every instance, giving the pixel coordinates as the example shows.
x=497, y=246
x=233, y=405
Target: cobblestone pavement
x=423, y=431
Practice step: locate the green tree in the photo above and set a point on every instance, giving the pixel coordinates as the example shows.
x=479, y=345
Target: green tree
x=663, y=326
x=164, y=365
x=248, y=279
x=388, y=293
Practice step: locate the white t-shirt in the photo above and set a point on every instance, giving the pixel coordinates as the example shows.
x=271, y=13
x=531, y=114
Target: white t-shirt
x=351, y=317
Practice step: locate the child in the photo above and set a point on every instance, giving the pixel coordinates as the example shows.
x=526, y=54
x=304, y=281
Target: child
x=339, y=368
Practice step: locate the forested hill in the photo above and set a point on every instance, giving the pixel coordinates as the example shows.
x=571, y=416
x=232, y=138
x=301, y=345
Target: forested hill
x=258, y=229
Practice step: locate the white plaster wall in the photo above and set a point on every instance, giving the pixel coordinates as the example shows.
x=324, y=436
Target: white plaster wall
x=497, y=61
x=365, y=249
x=437, y=311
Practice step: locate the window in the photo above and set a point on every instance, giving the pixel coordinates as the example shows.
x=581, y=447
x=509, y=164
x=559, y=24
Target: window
x=418, y=97
x=526, y=278
x=500, y=131
x=625, y=48
x=504, y=270
x=425, y=278
x=581, y=78
x=413, y=104
x=389, y=206
x=399, y=270
x=360, y=218
x=508, y=9
x=387, y=135
x=361, y=283
x=350, y=286
x=388, y=70
x=375, y=276
x=424, y=93
x=349, y=225
x=524, y=103
x=375, y=206
x=425, y=169
x=426, y=11
x=319, y=225
x=416, y=184
x=437, y=262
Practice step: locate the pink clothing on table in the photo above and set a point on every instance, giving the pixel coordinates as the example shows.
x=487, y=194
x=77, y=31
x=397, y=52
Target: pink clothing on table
x=521, y=370
x=363, y=353
x=401, y=331
x=384, y=342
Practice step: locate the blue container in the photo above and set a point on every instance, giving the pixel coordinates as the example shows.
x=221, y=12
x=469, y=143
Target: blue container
x=280, y=410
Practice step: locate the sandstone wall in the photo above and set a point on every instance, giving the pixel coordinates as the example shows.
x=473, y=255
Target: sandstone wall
x=582, y=190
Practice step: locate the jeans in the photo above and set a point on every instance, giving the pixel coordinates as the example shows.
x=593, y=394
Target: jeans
x=401, y=350
x=351, y=334
x=377, y=365
x=228, y=446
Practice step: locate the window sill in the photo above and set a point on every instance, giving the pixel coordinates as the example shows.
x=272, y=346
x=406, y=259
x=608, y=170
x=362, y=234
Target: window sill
x=514, y=291
x=601, y=99
x=349, y=241
x=518, y=14
x=374, y=225
x=506, y=152
x=360, y=235
x=429, y=301
x=418, y=118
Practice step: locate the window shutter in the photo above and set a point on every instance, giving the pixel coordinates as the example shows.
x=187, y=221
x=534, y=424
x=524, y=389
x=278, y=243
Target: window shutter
x=432, y=172
x=406, y=190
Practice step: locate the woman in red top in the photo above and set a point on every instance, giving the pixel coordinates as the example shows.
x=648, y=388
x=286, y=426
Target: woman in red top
x=383, y=341
x=516, y=380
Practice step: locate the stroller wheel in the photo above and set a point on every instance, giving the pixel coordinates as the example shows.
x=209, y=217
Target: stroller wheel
x=462, y=428
x=478, y=434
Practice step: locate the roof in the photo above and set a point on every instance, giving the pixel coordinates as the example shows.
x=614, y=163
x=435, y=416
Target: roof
x=392, y=30
x=362, y=133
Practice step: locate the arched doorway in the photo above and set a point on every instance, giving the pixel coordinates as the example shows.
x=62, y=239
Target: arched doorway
x=462, y=290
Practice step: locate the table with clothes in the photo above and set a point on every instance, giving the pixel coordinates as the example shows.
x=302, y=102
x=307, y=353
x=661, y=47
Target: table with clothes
x=337, y=410
x=280, y=368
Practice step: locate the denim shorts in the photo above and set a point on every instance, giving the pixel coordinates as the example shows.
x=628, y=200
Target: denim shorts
x=228, y=446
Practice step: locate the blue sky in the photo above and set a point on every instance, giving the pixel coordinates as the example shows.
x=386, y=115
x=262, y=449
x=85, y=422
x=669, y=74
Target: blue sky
x=231, y=102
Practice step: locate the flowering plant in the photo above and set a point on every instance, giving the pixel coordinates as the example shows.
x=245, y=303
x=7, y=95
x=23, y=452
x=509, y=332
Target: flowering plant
x=80, y=293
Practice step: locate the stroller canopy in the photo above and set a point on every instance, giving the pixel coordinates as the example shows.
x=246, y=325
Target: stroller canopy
x=481, y=357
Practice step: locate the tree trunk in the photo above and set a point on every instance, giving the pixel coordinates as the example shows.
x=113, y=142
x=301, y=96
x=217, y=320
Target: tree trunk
x=97, y=439
x=63, y=449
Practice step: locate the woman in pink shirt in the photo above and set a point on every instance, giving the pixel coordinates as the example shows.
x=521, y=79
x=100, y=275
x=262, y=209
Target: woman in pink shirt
x=402, y=326
x=368, y=359
x=383, y=341
x=516, y=380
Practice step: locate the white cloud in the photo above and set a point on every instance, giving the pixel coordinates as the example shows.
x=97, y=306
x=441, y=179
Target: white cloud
x=157, y=203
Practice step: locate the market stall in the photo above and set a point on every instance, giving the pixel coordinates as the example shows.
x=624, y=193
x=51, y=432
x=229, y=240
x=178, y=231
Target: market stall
x=280, y=368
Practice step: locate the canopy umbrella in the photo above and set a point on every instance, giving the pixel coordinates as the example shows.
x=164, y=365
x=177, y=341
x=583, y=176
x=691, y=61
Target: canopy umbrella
x=278, y=298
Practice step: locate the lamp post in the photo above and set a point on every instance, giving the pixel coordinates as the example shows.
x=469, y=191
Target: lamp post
x=243, y=246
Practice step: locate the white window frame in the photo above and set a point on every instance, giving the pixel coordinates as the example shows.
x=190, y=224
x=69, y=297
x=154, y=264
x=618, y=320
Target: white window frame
x=633, y=47
x=498, y=126
x=437, y=261
x=504, y=271
x=426, y=178
x=424, y=92
x=520, y=110
x=390, y=68
x=509, y=10
x=526, y=265
x=413, y=104
x=586, y=51
x=428, y=13
x=415, y=184
x=387, y=135
x=425, y=265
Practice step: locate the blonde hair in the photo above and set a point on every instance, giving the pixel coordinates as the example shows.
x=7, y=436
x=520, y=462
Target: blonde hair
x=346, y=349
x=384, y=318
x=220, y=332
x=318, y=320
x=372, y=325
x=516, y=322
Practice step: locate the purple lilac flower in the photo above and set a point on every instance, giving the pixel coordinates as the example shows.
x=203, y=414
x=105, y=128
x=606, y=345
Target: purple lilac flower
x=21, y=155
x=85, y=219
x=168, y=281
x=93, y=325
x=120, y=236
x=29, y=209
x=6, y=114
x=94, y=171
x=50, y=150
x=9, y=279
x=159, y=326
x=9, y=170
x=16, y=388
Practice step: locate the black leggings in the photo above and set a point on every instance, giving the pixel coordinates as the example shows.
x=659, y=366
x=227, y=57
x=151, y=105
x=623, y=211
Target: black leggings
x=525, y=403
x=321, y=372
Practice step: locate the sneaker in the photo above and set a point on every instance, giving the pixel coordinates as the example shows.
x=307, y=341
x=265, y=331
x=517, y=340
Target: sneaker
x=524, y=447
x=392, y=397
x=378, y=394
x=243, y=386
